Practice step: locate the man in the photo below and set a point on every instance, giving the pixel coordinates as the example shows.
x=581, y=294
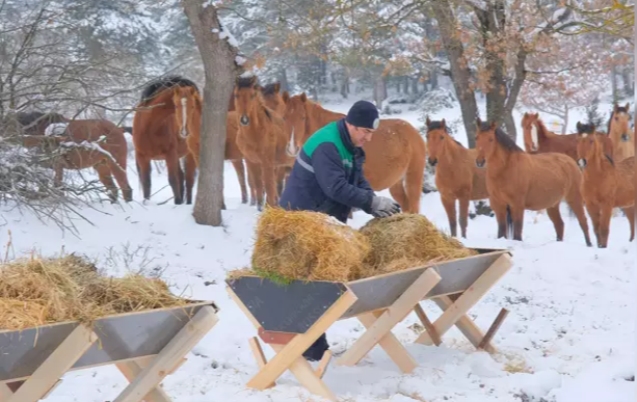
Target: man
x=328, y=177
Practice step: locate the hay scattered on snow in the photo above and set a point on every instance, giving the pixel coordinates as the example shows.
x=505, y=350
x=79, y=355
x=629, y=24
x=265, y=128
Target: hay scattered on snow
x=405, y=241
x=39, y=291
x=306, y=245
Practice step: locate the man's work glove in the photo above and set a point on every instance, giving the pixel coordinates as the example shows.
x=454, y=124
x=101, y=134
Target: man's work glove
x=383, y=207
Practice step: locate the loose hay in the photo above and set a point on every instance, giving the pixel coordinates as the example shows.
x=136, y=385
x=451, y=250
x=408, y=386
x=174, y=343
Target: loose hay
x=38, y=291
x=405, y=241
x=306, y=245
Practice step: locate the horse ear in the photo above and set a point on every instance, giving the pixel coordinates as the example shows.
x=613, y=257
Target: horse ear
x=478, y=122
x=494, y=125
x=615, y=107
x=537, y=115
x=627, y=106
x=277, y=87
x=443, y=123
x=579, y=127
x=427, y=121
x=303, y=97
x=286, y=97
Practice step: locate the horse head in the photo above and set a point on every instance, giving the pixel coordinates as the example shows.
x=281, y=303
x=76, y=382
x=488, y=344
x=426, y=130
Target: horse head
x=619, y=124
x=437, y=137
x=297, y=115
x=187, y=109
x=485, y=141
x=247, y=98
x=592, y=145
x=530, y=123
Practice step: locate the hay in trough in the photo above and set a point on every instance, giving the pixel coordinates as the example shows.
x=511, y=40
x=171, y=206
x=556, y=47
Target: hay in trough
x=306, y=245
x=405, y=241
x=40, y=291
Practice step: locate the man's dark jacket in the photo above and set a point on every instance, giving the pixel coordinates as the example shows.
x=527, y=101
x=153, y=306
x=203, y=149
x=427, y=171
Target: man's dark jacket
x=328, y=175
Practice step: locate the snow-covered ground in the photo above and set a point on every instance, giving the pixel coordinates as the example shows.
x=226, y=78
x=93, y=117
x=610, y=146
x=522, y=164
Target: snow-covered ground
x=569, y=337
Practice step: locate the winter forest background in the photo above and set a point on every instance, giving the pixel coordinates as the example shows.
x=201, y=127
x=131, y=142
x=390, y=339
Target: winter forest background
x=91, y=58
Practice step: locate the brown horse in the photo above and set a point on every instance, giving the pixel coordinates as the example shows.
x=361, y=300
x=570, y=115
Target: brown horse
x=607, y=184
x=457, y=176
x=157, y=135
x=517, y=181
x=622, y=137
x=539, y=139
x=262, y=139
x=395, y=157
x=80, y=144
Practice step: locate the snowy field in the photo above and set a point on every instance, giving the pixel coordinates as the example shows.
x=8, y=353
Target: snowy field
x=569, y=337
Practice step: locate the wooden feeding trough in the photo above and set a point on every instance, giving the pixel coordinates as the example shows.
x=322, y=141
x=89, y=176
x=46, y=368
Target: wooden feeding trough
x=145, y=346
x=291, y=317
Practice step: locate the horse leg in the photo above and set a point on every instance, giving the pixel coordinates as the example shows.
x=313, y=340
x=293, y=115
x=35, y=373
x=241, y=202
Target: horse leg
x=175, y=175
x=58, y=169
x=450, y=207
x=577, y=207
x=256, y=183
x=182, y=180
x=397, y=192
x=500, y=211
x=594, y=213
x=241, y=175
x=191, y=170
x=558, y=223
x=144, y=170
x=630, y=215
x=269, y=180
x=517, y=215
x=104, y=173
x=606, y=213
x=122, y=180
x=464, y=215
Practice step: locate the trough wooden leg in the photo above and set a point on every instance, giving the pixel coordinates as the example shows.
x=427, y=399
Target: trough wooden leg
x=455, y=311
x=379, y=327
x=45, y=377
x=5, y=392
x=290, y=356
x=170, y=356
x=132, y=369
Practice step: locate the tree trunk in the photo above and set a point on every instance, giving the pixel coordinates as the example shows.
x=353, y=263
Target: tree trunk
x=220, y=68
x=414, y=86
x=565, y=126
x=613, y=80
x=285, y=85
x=627, y=81
x=460, y=73
x=379, y=92
x=405, y=85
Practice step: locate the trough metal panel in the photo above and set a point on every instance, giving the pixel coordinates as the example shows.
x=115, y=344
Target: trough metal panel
x=456, y=276
x=120, y=337
x=286, y=308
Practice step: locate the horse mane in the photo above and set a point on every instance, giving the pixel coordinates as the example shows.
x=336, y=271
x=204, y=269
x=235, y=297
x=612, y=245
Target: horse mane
x=542, y=130
x=270, y=89
x=620, y=109
x=160, y=84
x=587, y=128
x=501, y=138
x=28, y=118
x=437, y=125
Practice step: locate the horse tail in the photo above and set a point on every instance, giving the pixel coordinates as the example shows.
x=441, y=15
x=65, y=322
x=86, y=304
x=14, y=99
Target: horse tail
x=509, y=228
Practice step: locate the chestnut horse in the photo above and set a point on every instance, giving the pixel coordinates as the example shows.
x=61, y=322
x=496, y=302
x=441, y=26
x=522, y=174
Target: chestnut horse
x=607, y=183
x=539, y=139
x=395, y=157
x=80, y=144
x=517, y=181
x=262, y=139
x=157, y=135
x=622, y=137
x=457, y=176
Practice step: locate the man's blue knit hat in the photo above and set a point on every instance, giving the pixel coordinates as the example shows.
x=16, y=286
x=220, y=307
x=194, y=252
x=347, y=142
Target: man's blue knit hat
x=363, y=114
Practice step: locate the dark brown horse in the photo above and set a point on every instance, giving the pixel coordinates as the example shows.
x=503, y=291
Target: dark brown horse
x=517, y=181
x=158, y=136
x=457, y=176
x=79, y=144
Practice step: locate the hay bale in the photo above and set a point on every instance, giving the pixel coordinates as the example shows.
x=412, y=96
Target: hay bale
x=306, y=245
x=405, y=241
x=40, y=291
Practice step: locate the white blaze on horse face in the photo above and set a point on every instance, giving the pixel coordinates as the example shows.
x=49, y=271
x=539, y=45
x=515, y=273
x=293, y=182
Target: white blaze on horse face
x=55, y=129
x=534, y=138
x=291, y=148
x=183, y=132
